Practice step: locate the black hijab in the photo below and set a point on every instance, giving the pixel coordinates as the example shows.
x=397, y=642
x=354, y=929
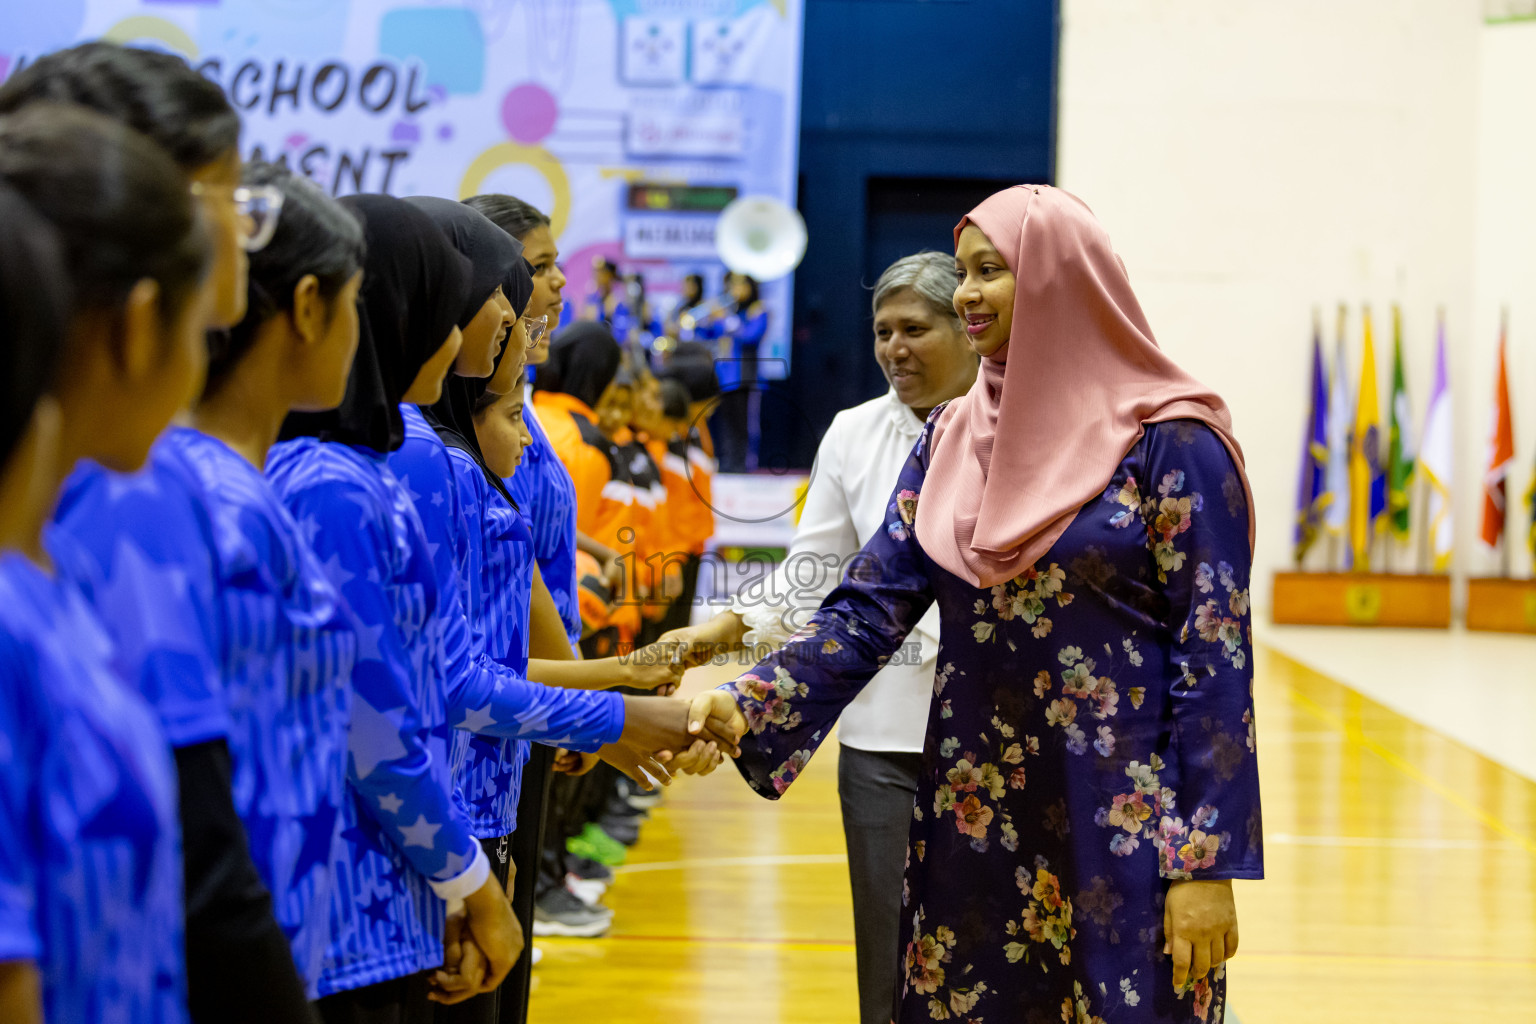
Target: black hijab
x=453, y=415
x=414, y=290
x=583, y=361
x=492, y=253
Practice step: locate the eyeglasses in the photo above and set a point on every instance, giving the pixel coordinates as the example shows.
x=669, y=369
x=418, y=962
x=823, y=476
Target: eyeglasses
x=257, y=206
x=537, y=327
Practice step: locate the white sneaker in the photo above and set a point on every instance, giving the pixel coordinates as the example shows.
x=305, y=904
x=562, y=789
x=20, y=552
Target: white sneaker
x=538, y=955
x=589, y=890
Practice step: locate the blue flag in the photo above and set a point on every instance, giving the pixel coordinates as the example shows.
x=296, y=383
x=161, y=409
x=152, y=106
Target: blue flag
x=1313, y=483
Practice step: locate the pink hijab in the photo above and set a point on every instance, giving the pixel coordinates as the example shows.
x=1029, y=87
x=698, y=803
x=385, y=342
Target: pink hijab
x=1017, y=456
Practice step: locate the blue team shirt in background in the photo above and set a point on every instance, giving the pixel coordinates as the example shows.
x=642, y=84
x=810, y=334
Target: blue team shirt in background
x=90, y=859
x=400, y=825
x=546, y=496
x=487, y=696
x=288, y=651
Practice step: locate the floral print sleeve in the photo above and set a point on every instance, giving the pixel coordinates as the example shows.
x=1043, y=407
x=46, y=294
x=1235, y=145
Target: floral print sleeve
x=792, y=698
x=1197, y=526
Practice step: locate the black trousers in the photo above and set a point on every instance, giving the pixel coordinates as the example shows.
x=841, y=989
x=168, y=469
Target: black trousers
x=397, y=1001
x=527, y=845
x=680, y=612
x=485, y=1009
x=877, y=791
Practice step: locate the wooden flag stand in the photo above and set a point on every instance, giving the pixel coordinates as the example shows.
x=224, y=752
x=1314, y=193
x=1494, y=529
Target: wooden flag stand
x=1362, y=599
x=1498, y=605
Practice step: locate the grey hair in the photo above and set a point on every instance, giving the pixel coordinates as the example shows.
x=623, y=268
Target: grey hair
x=929, y=275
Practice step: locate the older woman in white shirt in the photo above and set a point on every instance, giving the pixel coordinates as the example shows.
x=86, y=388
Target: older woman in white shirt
x=923, y=351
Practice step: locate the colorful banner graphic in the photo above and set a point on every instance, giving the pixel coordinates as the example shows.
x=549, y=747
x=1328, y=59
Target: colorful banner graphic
x=563, y=103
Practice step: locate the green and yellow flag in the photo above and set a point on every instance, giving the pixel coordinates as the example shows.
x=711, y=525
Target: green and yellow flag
x=1402, y=453
x=1367, y=480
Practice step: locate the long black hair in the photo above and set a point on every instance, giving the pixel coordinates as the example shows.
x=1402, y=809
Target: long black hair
x=119, y=204
x=157, y=94
x=509, y=213
x=34, y=314
x=315, y=235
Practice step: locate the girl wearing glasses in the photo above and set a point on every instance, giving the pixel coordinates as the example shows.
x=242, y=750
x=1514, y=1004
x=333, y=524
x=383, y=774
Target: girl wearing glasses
x=143, y=547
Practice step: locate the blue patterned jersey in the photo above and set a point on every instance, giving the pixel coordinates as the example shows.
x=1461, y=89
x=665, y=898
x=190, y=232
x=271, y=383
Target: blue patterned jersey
x=488, y=770
x=140, y=547
x=546, y=496
x=288, y=650
x=400, y=827
x=90, y=860
x=485, y=695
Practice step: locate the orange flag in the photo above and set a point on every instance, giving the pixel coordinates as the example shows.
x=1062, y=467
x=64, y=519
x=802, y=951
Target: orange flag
x=1501, y=452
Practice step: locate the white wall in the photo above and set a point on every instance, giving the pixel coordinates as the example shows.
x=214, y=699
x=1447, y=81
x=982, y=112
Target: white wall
x=1253, y=160
x=1506, y=250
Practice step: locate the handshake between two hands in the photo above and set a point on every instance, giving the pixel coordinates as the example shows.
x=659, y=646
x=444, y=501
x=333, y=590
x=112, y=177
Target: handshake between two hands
x=663, y=737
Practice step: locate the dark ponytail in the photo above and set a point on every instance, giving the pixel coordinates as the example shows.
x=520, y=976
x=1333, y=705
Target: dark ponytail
x=155, y=93
x=34, y=314
x=314, y=235
x=122, y=209
x=509, y=213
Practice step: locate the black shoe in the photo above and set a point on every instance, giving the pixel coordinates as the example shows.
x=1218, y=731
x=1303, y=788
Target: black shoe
x=623, y=830
x=560, y=912
x=590, y=870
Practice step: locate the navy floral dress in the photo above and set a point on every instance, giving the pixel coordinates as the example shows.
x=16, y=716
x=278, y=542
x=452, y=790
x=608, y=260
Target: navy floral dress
x=1091, y=738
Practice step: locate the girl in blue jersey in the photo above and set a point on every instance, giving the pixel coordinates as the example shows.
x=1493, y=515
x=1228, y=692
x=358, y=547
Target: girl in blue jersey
x=288, y=641
x=741, y=333
x=90, y=875
x=143, y=549
x=406, y=848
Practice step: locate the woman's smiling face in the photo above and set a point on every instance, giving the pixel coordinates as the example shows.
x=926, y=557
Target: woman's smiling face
x=984, y=291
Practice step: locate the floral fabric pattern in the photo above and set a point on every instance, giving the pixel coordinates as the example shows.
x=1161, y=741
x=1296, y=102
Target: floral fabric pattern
x=1090, y=741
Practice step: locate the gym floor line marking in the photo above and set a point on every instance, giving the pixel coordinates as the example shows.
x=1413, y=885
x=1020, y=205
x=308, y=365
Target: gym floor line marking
x=764, y=861
x=1355, y=735
x=1388, y=842
x=810, y=946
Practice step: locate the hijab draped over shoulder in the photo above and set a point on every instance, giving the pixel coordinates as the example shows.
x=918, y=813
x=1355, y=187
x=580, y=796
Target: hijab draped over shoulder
x=415, y=287
x=497, y=259
x=1055, y=411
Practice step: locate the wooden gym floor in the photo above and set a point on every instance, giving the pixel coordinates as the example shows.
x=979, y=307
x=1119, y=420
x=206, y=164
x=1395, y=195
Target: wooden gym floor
x=1402, y=885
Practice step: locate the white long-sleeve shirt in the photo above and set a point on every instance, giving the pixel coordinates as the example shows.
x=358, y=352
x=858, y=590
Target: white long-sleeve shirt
x=857, y=465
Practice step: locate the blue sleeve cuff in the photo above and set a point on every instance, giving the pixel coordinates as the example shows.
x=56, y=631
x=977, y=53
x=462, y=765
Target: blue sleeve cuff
x=615, y=711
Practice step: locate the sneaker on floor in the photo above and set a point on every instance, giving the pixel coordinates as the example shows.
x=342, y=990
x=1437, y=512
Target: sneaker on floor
x=589, y=890
x=560, y=912
x=595, y=844
x=623, y=830
x=590, y=870
x=636, y=797
x=618, y=807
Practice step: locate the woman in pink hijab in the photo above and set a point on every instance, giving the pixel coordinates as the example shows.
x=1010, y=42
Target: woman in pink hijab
x=1089, y=785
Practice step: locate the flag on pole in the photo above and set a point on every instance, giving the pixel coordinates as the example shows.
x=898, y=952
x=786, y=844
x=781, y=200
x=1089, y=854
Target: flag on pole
x=1336, y=490
x=1401, y=454
x=1367, y=481
x=1312, y=488
x=1530, y=501
x=1501, y=449
x=1436, y=459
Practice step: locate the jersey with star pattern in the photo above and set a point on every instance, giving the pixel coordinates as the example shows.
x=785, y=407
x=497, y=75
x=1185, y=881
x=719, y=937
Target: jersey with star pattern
x=139, y=547
x=400, y=826
x=489, y=693
x=288, y=651
x=90, y=864
x=546, y=496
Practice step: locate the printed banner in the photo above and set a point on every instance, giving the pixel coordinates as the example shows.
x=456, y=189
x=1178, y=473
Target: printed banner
x=572, y=105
